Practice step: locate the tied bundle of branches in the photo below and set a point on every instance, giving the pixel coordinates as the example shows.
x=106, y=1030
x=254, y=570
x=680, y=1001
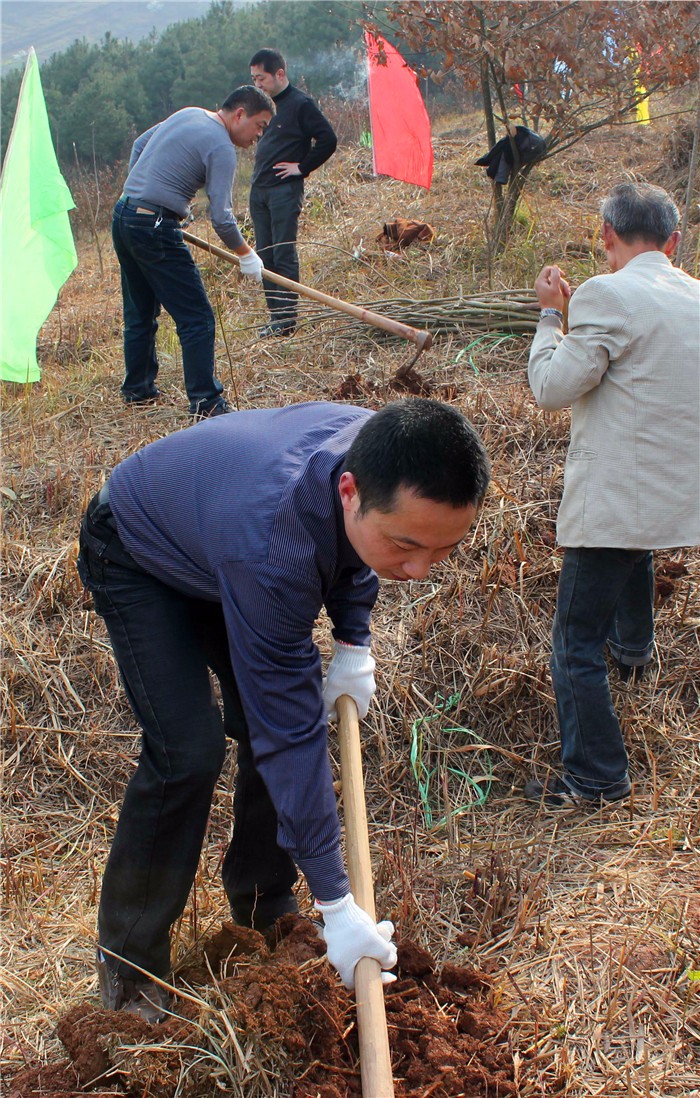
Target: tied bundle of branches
x=515, y=312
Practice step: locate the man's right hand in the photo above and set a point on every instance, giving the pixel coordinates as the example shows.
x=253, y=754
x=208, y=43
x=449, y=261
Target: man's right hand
x=552, y=289
x=351, y=934
x=251, y=265
x=351, y=672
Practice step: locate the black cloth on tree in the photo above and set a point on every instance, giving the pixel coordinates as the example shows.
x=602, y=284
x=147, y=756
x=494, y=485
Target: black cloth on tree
x=498, y=161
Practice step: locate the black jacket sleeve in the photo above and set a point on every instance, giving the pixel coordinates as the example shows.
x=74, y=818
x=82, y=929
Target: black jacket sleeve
x=318, y=129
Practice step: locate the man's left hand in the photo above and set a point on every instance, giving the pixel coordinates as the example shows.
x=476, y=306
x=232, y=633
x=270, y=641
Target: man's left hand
x=552, y=289
x=351, y=934
x=251, y=265
x=285, y=169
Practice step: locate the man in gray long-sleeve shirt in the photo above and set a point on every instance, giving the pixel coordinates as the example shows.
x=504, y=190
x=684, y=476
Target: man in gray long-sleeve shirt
x=192, y=148
x=214, y=549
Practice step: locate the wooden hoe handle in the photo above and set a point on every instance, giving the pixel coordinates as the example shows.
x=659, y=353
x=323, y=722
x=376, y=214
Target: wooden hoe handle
x=422, y=339
x=375, y=1061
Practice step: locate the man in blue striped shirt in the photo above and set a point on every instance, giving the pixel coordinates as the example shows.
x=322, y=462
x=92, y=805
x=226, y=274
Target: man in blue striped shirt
x=215, y=549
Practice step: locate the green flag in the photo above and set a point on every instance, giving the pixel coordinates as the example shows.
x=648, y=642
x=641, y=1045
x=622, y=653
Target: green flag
x=37, y=252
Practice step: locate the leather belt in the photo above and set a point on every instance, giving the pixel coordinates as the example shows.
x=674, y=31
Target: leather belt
x=145, y=207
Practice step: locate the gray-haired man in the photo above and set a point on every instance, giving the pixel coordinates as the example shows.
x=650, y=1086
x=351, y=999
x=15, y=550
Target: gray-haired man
x=629, y=367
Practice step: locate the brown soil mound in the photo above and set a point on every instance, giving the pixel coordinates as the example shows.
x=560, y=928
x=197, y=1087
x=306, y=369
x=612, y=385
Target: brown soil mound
x=282, y=1000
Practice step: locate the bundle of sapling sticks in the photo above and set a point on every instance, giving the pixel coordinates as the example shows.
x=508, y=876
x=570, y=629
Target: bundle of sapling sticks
x=512, y=311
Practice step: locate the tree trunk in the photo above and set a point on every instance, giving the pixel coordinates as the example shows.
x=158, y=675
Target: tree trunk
x=678, y=258
x=509, y=204
x=490, y=129
x=488, y=103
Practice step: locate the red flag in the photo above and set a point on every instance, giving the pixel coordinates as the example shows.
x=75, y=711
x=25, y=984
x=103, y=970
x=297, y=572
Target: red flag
x=401, y=141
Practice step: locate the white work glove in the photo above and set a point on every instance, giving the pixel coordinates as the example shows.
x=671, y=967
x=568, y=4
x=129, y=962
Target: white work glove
x=350, y=934
x=351, y=672
x=251, y=265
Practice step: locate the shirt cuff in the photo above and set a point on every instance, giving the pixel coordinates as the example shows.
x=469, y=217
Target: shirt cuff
x=326, y=875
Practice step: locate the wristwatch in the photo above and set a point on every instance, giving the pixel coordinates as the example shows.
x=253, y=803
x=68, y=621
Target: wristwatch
x=551, y=312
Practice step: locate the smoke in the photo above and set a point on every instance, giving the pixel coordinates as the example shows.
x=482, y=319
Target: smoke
x=340, y=72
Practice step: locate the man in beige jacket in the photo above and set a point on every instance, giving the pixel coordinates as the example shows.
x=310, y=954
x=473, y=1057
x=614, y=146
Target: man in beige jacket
x=629, y=367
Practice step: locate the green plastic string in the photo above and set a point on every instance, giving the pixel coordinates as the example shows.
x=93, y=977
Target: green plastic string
x=489, y=341
x=425, y=773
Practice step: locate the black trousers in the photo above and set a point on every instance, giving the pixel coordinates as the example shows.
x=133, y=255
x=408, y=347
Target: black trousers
x=275, y=213
x=157, y=269
x=166, y=644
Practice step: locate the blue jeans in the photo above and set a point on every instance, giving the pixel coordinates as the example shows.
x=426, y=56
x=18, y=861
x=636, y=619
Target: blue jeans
x=165, y=644
x=157, y=270
x=275, y=213
x=605, y=596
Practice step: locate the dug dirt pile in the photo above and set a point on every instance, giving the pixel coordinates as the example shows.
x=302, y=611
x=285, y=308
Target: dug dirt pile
x=260, y=1012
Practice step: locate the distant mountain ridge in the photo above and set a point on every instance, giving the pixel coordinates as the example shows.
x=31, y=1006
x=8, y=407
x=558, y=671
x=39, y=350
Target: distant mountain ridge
x=50, y=26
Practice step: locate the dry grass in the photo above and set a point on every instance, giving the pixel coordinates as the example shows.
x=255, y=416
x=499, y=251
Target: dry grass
x=589, y=923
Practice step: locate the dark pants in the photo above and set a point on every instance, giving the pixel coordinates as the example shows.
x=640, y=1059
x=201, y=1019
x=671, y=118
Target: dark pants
x=158, y=270
x=606, y=596
x=275, y=213
x=165, y=644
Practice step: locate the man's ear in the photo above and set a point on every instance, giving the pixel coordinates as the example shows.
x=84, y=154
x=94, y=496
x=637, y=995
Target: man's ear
x=347, y=487
x=672, y=243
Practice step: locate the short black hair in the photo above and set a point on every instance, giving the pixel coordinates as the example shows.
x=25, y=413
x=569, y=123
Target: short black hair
x=640, y=211
x=252, y=99
x=423, y=445
x=270, y=60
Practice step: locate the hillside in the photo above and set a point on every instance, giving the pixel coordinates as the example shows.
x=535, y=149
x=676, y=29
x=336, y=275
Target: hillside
x=562, y=953
x=52, y=25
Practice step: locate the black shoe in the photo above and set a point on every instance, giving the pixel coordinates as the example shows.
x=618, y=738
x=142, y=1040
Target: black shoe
x=154, y=395
x=277, y=328
x=265, y=913
x=143, y=997
x=218, y=407
x=627, y=673
x=553, y=792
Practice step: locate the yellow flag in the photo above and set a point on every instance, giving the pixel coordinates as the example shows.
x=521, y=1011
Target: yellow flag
x=642, y=109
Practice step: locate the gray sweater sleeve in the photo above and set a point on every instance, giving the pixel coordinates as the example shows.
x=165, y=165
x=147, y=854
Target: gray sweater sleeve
x=219, y=183
x=171, y=161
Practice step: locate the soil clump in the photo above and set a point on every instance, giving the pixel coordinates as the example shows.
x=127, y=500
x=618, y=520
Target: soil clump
x=285, y=1012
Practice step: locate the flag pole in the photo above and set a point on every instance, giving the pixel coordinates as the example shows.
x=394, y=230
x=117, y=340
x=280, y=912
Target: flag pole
x=31, y=55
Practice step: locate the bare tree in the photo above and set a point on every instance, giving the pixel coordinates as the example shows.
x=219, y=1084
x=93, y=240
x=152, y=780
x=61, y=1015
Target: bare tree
x=562, y=68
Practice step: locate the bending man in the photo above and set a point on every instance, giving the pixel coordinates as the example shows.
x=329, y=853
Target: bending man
x=169, y=163
x=228, y=573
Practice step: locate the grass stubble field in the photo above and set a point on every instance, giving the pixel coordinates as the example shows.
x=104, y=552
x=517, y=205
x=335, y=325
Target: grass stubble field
x=586, y=925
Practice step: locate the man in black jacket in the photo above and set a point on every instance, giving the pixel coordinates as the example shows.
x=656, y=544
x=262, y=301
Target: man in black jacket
x=299, y=141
